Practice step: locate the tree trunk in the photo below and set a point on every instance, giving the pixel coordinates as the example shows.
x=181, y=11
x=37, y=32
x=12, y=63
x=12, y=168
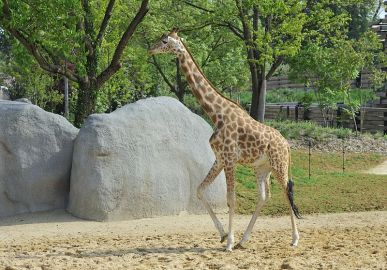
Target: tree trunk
x=87, y=99
x=255, y=89
x=262, y=100
x=66, y=97
x=180, y=97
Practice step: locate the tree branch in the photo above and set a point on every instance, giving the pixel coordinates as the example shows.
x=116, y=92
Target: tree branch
x=89, y=29
x=115, y=63
x=247, y=35
x=160, y=70
x=380, y=3
x=198, y=7
x=185, y=30
x=33, y=48
x=255, y=21
x=105, y=22
x=216, y=45
x=235, y=30
x=274, y=67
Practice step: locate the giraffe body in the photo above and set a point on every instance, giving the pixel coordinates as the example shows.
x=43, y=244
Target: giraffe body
x=237, y=138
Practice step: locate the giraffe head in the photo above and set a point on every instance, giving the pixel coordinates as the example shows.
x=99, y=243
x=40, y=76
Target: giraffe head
x=168, y=43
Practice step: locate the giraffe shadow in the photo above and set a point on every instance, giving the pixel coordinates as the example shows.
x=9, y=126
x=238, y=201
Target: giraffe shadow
x=142, y=251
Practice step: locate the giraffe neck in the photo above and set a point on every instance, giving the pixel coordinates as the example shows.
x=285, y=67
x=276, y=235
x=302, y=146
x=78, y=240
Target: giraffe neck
x=210, y=100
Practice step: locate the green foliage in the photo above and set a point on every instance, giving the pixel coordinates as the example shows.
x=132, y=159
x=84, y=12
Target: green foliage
x=28, y=80
x=314, y=42
x=297, y=130
x=73, y=32
x=51, y=24
x=284, y=36
x=330, y=67
x=307, y=97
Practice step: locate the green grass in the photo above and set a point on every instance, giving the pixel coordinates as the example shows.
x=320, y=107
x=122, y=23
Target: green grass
x=329, y=189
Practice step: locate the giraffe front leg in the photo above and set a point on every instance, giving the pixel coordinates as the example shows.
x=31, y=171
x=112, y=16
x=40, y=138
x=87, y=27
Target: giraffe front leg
x=262, y=181
x=231, y=204
x=214, y=171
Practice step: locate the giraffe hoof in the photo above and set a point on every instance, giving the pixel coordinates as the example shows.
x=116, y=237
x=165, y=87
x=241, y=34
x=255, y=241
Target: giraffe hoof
x=239, y=246
x=294, y=244
x=223, y=238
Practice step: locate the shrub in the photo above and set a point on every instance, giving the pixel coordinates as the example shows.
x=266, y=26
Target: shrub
x=297, y=130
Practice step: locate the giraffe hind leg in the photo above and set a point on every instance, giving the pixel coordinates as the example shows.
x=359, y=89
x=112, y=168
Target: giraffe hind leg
x=263, y=176
x=289, y=191
x=282, y=176
x=231, y=199
x=212, y=174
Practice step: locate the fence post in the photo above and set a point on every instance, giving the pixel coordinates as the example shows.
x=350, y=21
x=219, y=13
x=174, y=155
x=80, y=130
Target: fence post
x=339, y=112
x=343, y=155
x=310, y=146
x=385, y=123
x=287, y=112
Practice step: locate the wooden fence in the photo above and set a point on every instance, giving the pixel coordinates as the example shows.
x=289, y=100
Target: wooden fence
x=368, y=119
x=283, y=82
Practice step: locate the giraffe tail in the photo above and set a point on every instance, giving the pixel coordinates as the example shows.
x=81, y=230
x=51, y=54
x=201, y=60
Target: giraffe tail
x=289, y=191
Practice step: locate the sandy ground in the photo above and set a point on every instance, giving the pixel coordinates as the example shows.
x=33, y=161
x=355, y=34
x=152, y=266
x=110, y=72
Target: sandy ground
x=56, y=240
x=381, y=169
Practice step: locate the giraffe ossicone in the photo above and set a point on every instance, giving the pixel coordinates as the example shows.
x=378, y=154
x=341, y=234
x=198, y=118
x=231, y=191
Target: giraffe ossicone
x=237, y=138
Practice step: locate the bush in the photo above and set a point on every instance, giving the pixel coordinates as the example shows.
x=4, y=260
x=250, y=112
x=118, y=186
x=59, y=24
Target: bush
x=297, y=130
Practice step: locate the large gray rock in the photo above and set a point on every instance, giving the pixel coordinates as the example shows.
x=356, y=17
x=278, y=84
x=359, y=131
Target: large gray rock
x=145, y=159
x=4, y=94
x=35, y=158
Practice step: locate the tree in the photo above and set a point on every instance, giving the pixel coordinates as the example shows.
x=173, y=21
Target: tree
x=272, y=32
x=24, y=78
x=54, y=32
x=269, y=30
x=333, y=64
x=333, y=60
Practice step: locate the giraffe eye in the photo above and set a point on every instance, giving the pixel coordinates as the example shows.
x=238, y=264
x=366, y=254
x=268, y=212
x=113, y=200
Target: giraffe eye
x=164, y=41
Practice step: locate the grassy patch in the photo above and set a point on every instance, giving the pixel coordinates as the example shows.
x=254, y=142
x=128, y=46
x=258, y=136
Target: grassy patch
x=328, y=190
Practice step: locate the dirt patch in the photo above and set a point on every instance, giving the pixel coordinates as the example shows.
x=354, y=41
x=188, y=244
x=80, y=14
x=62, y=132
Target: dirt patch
x=351, y=145
x=380, y=169
x=56, y=240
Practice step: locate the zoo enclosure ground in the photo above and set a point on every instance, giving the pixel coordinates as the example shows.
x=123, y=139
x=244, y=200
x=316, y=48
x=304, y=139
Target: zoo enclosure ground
x=56, y=240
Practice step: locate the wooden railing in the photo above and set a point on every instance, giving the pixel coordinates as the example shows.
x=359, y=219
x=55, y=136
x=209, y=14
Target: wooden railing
x=284, y=82
x=368, y=119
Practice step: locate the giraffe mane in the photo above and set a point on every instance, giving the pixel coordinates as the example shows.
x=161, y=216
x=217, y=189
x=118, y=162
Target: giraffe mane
x=208, y=81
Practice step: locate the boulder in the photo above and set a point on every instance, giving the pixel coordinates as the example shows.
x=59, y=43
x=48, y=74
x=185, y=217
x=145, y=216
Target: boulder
x=35, y=158
x=145, y=159
x=4, y=94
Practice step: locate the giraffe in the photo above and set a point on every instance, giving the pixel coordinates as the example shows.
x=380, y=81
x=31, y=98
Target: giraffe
x=237, y=138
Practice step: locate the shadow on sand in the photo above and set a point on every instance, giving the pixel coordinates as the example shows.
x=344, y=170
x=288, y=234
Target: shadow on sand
x=142, y=251
x=53, y=216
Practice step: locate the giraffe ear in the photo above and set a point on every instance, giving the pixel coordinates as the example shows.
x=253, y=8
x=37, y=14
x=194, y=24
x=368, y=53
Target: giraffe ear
x=174, y=32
